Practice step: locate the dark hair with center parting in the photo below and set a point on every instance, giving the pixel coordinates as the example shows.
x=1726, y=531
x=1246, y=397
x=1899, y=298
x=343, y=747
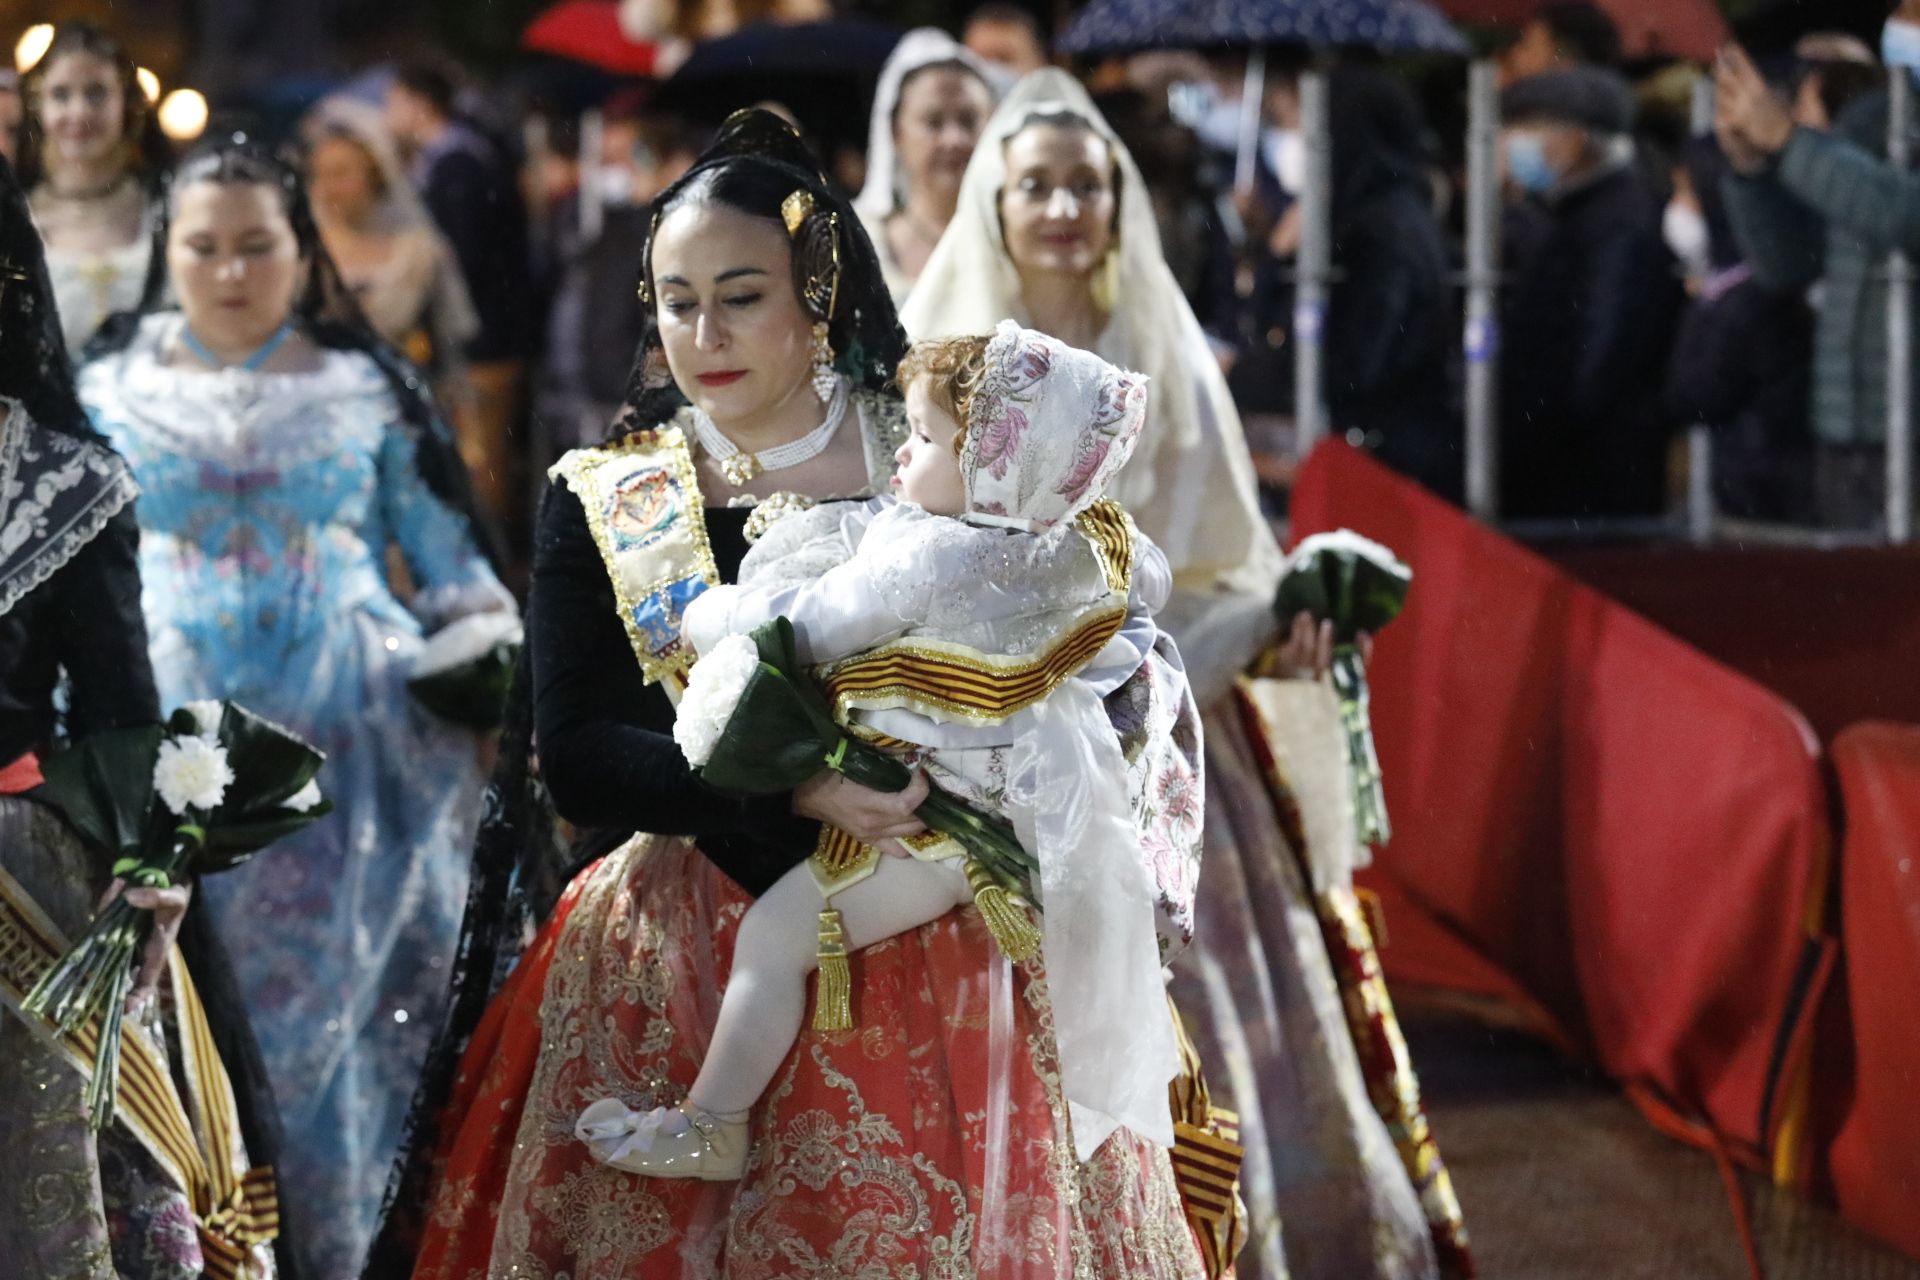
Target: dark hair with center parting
x=325, y=309
x=755, y=166
x=146, y=147
x=944, y=64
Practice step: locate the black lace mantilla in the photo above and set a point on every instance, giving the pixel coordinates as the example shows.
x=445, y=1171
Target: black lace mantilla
x=57, y=492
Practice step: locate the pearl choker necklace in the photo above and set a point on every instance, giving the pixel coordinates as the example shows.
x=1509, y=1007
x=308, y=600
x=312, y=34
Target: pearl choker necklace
x=740, y=467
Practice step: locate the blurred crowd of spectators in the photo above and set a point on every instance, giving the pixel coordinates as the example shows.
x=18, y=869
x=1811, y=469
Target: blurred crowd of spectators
x=1681, y=247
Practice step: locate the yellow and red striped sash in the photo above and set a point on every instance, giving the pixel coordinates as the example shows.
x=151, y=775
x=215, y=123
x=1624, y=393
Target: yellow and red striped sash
x=234, y=1210
x=954, y=682
x=1206, y=1159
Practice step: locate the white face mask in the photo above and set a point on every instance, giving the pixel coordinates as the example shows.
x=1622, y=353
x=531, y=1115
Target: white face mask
x=1218, y=125
x=1900, y=44
x=1685, y=229
x=615, y=185
x=1286, y=155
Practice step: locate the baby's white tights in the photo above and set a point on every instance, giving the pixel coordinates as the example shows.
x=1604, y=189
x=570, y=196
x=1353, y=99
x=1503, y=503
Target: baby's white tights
x=777, y=948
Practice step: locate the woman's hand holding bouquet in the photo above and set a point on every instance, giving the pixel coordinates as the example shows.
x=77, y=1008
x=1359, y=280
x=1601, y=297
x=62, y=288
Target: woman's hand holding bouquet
x=201, y=794
x=1338, y=590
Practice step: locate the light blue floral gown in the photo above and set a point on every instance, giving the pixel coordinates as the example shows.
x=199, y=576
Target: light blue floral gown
x=268, y=502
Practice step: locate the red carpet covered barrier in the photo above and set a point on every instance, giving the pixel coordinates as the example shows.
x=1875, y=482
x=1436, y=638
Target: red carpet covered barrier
x=1627, y=835
x=1875, y=1160
x=1833, y=631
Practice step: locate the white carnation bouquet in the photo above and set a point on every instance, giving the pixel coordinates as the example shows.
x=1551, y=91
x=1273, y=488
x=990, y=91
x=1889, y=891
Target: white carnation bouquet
x=1359, y=586
x=464, y=670
x=202, y=794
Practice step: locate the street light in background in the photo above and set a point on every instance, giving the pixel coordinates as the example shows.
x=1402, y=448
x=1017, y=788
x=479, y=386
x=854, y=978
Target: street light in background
x=183, y=115
x=149, y=84
x=32, y=46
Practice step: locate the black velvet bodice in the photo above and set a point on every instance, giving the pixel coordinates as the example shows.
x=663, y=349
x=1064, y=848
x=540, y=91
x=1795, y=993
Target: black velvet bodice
x=86, y=619
x=605, y=737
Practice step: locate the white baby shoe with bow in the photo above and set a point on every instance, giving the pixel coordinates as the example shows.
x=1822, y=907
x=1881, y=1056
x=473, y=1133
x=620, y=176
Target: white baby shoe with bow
x=666, y=1142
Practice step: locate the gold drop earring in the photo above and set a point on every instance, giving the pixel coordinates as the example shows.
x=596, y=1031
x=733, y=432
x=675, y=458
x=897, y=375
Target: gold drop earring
x=824, y=376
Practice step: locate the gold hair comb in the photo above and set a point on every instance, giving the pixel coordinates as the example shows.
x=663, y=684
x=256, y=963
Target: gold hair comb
x=796, y=209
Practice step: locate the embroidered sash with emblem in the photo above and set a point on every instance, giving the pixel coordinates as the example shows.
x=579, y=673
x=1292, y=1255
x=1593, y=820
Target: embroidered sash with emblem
x=643, y=506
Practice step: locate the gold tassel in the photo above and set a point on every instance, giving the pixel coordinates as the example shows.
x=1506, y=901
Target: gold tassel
x=1012, y=928
x=833, y=1005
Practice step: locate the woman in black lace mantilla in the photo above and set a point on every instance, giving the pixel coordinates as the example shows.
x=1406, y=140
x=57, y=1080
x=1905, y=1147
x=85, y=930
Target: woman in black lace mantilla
x=77, y=1203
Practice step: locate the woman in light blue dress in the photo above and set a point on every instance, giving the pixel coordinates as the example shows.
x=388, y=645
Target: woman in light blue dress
x=281, y=451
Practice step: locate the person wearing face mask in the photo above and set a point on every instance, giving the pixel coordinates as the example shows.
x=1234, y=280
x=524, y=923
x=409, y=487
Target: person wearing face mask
x=1388, y=327
x=1741, y=357
x=1588, y=317
x=1007, y=38
x=1812, y=204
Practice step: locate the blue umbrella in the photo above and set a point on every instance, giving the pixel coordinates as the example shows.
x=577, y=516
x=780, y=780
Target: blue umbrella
x=1389, y=26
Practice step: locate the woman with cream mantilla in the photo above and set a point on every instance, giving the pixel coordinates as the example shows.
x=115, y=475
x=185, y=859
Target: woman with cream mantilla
x=1282, y=990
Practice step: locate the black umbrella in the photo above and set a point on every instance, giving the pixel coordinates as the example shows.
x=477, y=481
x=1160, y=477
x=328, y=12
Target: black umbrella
x=824, y=72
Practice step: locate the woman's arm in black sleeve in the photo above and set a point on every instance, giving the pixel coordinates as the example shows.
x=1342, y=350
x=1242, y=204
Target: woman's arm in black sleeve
x=95, y=611
x=603, y=735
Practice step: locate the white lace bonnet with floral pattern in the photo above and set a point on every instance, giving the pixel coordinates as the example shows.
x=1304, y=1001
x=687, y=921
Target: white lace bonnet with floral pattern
x=1047, y=430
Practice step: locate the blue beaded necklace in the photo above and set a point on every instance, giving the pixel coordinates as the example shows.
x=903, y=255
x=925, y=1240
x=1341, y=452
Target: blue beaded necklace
x=252, y=363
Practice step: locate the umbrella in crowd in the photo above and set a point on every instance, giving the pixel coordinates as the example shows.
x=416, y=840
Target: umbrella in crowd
x=1649, y=29
x=824, y=72
x=1389, y=26
x=589, y=31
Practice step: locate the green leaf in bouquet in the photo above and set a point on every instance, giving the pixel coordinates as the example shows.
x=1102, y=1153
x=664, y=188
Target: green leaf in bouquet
x=774, y=639
x=1377, y=595
x=1343, y=578
x=270, y=764
x=1301, y=591
x=773, y=742
x=104, y=786
x=230, y=845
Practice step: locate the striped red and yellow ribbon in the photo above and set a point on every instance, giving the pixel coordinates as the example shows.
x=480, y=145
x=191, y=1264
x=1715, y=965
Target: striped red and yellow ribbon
x=233, y=1210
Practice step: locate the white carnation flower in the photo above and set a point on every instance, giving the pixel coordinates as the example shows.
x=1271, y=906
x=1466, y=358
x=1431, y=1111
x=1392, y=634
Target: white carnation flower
x=306, y=798
x=714, y=687
x=1343, y=541
x=191, y=773
x=206, y=713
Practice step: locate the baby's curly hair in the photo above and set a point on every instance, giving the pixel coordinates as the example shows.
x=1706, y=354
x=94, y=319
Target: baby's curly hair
x=954, y=368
